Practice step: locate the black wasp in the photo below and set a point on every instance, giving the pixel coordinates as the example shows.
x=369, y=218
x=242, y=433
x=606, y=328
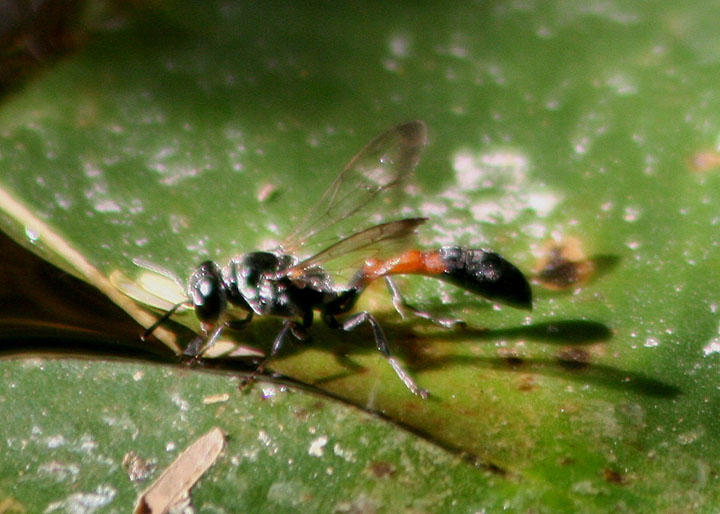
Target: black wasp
x=278, y=283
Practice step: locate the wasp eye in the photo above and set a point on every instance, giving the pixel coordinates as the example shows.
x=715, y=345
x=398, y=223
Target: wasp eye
x=206, y=287
x=207, y=291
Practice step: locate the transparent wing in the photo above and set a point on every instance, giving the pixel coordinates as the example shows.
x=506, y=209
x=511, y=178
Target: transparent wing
x=357, y=193
x=369, y=241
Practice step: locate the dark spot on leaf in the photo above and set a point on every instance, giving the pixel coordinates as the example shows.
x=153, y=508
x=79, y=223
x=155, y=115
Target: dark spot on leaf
x=614, y=477
x=563, y=266
x=703, y=161
x=382, y=469
x=301, y=414
x=514, y=361
x=574, y=358
x=304, y=414
x=527, y=383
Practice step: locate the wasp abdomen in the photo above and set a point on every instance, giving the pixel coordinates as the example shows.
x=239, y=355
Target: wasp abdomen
x=475, y=270
x=485, y=273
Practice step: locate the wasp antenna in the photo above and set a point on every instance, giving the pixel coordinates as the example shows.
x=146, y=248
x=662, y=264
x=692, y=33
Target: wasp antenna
x=162, y=319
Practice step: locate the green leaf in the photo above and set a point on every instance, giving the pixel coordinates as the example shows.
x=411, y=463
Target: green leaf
x=199, y=131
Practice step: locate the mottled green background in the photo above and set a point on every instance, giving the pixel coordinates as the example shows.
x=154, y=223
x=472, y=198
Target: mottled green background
x=596, y=120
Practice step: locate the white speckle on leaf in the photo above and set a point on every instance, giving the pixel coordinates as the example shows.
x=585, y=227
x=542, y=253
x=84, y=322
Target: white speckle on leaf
x=536, y=230
x=60, y=471
x=87, y=444
x=713, y=346
x=175, y=175
x=467, y=173
x=544, y=32
x=91, y=170
x=107, y=205
x=63, y=201
x=264, y=438
x=181, y=403
x=622, y=85
x=585, y=487
x=399, y=45
x=317, y=446
x=581, y=145
x=344, y=453
x=651, y=342
x=542, y=202
x=691, y=436
x=492, y=169
x=433, y=209
x=495, y=187
x=55, y=441
x=631, y=214
x=84, y=503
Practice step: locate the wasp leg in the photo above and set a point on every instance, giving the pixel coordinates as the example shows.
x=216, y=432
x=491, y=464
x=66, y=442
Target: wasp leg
x=402, y=307
x=292, y=326
x=192, y=350
x=381, y=342
x=201, y=343
x=237, y=324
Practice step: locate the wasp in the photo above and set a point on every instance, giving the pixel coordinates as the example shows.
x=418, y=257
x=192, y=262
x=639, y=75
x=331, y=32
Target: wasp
x=294, y=280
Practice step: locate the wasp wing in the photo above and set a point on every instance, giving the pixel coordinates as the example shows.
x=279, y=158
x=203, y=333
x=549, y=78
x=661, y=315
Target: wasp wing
x=369, y=241
x=355, y=194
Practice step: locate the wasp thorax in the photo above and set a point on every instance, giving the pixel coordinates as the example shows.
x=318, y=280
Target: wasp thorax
x=207, y=291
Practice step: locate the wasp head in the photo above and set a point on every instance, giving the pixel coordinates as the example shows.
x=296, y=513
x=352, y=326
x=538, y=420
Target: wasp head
x=207, y=292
